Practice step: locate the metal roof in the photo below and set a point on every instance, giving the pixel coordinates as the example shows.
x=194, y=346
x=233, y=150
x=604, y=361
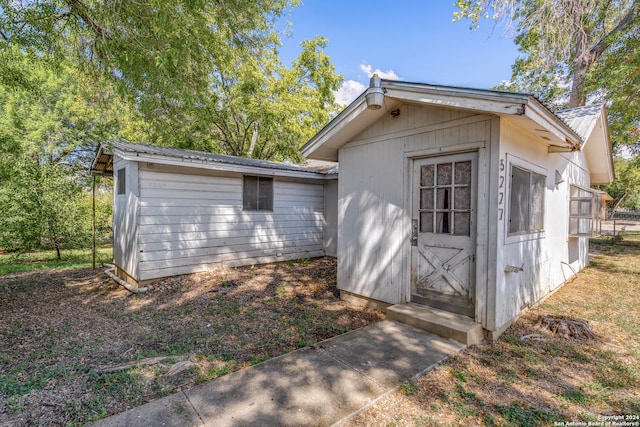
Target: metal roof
x=581, y=119
x=103, y=162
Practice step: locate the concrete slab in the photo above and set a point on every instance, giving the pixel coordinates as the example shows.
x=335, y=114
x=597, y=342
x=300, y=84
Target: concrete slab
x=307, y=387
x=439, y=322
x=171, y=411
x=315, y=386
x=390, y=352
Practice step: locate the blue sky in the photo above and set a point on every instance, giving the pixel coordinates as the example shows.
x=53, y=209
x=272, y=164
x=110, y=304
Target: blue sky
x=408, y=40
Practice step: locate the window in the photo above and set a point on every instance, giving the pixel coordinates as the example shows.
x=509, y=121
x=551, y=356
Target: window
x=121, y=181
x=445, y=198
x=584, y=212
x=526, y=206
x=257, y=193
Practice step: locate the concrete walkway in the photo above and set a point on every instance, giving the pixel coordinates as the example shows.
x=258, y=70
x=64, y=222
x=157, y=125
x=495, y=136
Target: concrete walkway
x=315, y=386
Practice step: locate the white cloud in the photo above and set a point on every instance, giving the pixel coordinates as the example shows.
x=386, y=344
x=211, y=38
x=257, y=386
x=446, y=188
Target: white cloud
x=349, y=91
x=389, y=74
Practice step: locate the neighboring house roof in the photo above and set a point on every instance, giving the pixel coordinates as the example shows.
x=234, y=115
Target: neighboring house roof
x=522, y=109
x=103, y=162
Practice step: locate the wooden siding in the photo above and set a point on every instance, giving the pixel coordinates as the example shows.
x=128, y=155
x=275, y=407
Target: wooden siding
x=548, y=259
x=125, y=219
x=190, y=223
x=374, y=211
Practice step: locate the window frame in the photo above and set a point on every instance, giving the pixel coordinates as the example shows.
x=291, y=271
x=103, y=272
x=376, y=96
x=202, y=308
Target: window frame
x=430, y=194
x=121, y=181
x=530, y=232
x=593, y=199
x=255, y=202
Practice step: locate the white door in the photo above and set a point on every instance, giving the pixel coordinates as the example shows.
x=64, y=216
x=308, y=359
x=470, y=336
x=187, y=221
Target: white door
x=443, y=239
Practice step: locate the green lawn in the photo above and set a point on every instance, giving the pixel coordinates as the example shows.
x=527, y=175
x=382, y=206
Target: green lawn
x=11, y=263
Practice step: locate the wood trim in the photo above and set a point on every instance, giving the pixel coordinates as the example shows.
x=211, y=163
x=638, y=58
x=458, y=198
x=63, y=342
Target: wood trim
x=445, y=151
x=421, y=129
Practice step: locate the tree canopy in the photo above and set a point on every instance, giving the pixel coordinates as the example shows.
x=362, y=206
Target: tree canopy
x=48, y=130
x=573, y=52
x=189, y=73
x=203, y=75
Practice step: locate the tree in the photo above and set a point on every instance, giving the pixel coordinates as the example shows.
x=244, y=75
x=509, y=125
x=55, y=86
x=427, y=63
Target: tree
x=204, y=75
x=625, y=190
x=256, y=107
x=49, y=129
x=573, y=51
x=41, y=207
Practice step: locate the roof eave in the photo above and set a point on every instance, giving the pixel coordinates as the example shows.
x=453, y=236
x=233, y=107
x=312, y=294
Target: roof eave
x=503, y=104
x=213, y=165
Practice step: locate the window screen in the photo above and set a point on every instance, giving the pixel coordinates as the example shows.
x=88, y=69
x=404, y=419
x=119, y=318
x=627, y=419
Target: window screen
x=445, y=198
x=584, y=212
x=526, y=201
x=122, y=181
x=257, y=193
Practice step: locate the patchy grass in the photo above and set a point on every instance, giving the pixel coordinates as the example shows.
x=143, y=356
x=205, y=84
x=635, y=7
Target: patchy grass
x=519, y=381
x=11, y=263
x=60, y=329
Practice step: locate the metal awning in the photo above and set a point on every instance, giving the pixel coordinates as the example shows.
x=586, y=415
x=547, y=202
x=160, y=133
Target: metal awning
x=103, y=163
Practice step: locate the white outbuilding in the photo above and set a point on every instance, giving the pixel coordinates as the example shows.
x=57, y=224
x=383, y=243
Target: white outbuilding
x=472, y=202
x=181, y=211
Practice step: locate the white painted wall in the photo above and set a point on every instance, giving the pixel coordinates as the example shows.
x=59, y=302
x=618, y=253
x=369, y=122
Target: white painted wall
x=192, y=220
x=331, y=217
x=549, y=258
x=373, y=208
x=125, y=218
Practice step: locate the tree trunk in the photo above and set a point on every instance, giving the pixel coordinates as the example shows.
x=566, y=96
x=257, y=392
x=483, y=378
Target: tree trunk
x=254, y=140
x=582, y=62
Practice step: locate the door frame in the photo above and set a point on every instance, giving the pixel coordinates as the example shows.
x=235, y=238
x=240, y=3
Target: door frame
x=483, y=194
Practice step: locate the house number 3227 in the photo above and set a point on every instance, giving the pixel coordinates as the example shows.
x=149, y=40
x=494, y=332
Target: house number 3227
x=501, y=191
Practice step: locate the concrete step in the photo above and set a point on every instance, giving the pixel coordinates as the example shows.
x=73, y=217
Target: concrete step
x=443, y=323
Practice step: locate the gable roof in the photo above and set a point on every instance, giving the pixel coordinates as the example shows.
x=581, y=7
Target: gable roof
x=583, y=128
x=103, y=161
x=590, y=122
x=524, y=109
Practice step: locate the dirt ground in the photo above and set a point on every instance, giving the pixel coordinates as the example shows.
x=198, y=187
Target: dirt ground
x=66, y=335
x=534, y=377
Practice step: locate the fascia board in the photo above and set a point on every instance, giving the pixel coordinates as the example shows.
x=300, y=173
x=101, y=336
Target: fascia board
x=510, y=105
x=543, y=117
x=341, y=121
x=202, y=164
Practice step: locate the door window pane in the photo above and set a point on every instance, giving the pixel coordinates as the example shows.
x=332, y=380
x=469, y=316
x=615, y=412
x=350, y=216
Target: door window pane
x=444, y=174
x=426, y=176
x=463, y=172
x=462, y=198
x=443, y=200
x=442, y=222
x=426, y=222
x=426, y=198
x=445, y=197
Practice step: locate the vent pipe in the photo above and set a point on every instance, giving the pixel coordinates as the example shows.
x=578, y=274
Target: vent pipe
x=375, y=93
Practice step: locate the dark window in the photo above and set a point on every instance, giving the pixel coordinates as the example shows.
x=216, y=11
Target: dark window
x=526, y=206
x=257, y=193
x=122, y=181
